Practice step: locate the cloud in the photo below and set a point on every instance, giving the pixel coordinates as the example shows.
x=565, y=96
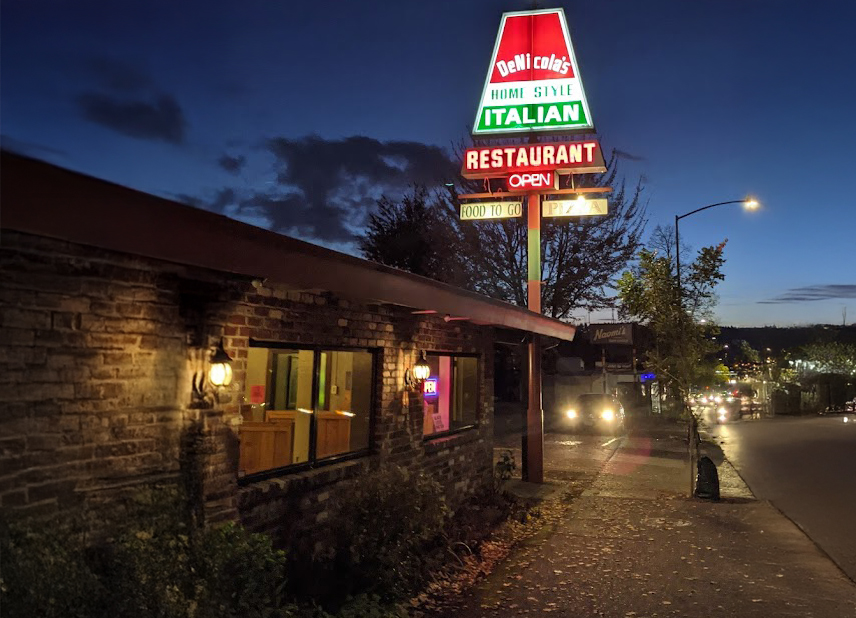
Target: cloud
x=292, y=215
x=158, y=119
x=126, y=99
x=232, y=165
x=314, y=164
x=338, y=182
x=324, y=190
x=119, y=76
x=813, y=293
x=190, y=200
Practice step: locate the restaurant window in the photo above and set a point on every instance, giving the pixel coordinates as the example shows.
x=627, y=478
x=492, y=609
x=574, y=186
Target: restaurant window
x=304, y=406
x=450, y=394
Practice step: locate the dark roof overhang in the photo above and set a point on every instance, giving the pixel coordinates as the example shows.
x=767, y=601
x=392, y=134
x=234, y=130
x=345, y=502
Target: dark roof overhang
x=46, y=200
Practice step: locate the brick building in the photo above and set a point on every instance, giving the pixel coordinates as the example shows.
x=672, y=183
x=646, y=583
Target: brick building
x=111, y=302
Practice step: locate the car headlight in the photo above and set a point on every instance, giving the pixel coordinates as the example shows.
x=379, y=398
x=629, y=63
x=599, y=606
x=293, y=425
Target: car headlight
x=722, y=412
x=572, y=414
x=607, y=415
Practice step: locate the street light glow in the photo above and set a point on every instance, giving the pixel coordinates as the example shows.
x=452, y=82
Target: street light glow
x=751, y=204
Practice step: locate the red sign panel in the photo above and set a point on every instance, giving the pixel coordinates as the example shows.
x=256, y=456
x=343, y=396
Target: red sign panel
x=531, y=181
x=532, y=47
x=257, y=393
x=585, y=157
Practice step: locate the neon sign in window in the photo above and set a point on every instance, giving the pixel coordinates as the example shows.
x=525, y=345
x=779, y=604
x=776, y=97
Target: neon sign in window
x=429, y=387
x=450, y=394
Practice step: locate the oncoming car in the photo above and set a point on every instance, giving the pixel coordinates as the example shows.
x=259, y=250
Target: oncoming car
x=602, y=413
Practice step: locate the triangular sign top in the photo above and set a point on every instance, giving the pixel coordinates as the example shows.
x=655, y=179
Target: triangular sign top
x=533, y=83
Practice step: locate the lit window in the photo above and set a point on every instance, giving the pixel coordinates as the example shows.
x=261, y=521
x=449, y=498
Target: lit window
x=450, y=394
x=295, y=394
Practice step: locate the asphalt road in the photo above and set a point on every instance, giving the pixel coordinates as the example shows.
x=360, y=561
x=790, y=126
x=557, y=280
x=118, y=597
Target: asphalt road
x=806, y=467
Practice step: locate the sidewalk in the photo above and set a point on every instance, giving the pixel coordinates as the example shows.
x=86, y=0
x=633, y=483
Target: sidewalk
x=633, y=545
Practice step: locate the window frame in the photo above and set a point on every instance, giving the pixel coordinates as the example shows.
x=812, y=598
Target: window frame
x=479, y=379
x=312, y=461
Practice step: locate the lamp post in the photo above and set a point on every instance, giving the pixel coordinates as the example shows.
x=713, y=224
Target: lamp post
x=749, y=204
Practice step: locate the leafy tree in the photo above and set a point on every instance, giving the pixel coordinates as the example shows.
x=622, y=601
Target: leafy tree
x=580, y=259
x=416, y=235
x=749, y=353
x=680, y=318
x=829, y=357
x=722, y=374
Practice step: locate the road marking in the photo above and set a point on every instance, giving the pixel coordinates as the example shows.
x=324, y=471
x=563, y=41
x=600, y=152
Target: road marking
x=610, y=441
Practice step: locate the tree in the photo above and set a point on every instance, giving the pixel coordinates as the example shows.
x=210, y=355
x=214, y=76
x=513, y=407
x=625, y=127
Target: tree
x=414, y=234
x=581, y=258
x=829, y=357
x=679, y=317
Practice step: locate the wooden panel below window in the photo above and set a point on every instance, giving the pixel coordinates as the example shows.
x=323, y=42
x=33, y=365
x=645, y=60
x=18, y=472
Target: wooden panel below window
x=334, y=434
x=266, y=445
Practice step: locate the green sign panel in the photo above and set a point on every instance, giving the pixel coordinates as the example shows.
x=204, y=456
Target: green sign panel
x=533, y=115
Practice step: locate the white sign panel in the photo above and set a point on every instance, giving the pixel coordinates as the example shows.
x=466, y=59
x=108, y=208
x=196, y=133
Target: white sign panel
x=655, y=398
x=491, y=210
x=574, y=208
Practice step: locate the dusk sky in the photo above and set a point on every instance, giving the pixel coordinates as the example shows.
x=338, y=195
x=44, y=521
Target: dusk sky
x=297, y=116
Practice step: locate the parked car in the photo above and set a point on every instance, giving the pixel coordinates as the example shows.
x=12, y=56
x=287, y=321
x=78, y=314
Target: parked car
x=595, y=412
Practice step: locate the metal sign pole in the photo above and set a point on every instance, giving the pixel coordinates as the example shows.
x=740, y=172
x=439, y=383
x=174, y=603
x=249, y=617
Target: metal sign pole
x=533, y=447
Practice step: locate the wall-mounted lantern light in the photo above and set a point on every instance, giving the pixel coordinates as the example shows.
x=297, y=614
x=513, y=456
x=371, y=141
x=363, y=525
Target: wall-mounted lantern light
x=219, y=376
x=418, y=373
x=220, y=373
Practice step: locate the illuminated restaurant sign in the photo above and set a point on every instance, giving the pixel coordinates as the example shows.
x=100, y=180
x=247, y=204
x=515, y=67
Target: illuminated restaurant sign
x=533, y=83
x=537, y=180
x=565, y=157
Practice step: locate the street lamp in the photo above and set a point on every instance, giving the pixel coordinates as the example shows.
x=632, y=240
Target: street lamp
x=748, y=204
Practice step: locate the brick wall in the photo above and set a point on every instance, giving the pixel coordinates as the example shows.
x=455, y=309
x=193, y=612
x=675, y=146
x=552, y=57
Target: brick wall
x=97, y=351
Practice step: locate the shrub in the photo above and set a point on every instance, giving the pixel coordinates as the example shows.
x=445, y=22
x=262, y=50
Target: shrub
x=243, y=574
x=147, y=565
x=384, y=529
x=44, y=572
x=504, y=468
x=155, y=564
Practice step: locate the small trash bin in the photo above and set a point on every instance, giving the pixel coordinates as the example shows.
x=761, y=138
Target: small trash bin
x=707, y=481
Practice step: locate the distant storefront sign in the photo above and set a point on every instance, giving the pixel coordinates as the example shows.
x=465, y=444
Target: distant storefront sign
x=612, y=333
x=627, y=365
x=648, y=377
